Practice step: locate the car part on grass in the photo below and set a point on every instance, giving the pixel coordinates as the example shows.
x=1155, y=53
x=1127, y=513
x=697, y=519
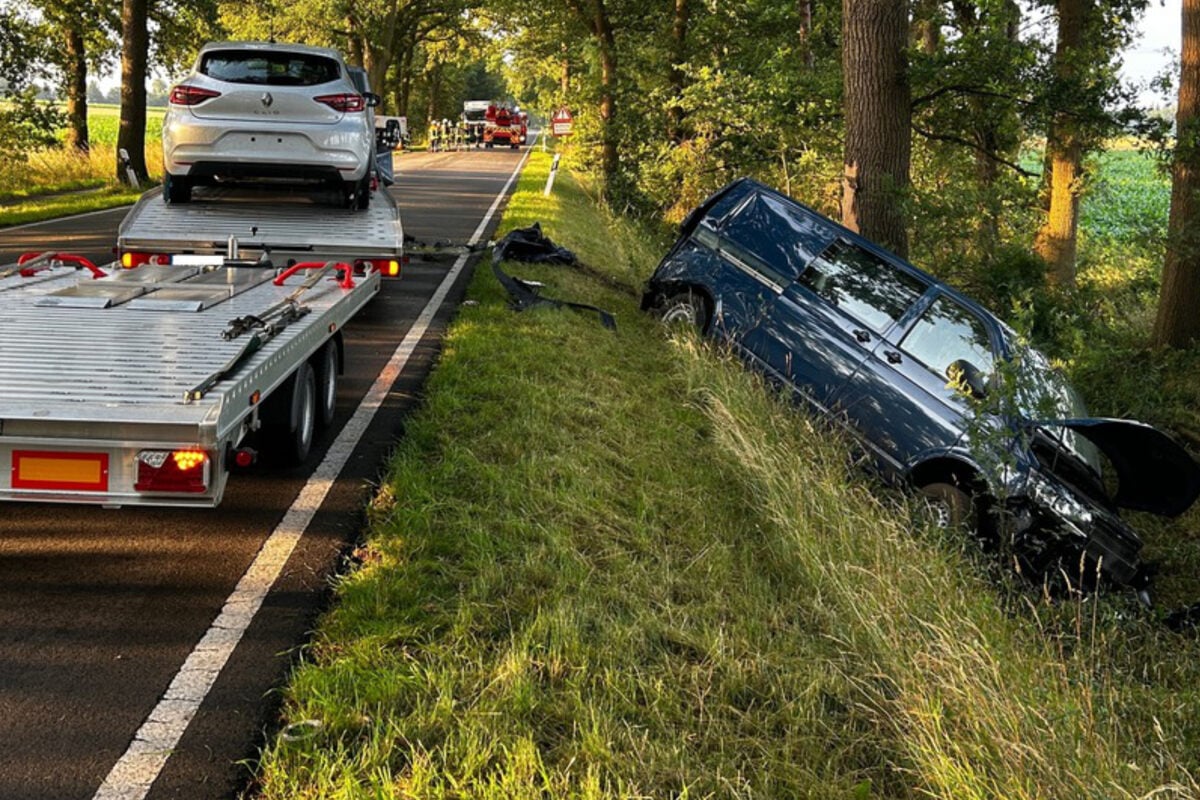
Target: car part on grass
x=939, y=392
x=531, y=246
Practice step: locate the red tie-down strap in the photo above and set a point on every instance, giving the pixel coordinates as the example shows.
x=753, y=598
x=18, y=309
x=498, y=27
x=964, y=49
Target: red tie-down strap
x=58, y=258
x=347, y=281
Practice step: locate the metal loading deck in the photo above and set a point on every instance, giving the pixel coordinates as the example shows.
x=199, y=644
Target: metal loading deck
x=110, y=380
x=262, y=220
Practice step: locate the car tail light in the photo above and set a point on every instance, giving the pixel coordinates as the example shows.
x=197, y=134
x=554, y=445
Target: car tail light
x=186, y=470
x=184, y=95
x=343, y=102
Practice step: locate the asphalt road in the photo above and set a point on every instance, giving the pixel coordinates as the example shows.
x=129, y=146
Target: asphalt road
x=99, y=608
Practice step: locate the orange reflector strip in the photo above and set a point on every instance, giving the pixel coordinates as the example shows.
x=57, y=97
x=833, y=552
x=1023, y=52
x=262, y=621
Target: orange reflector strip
x=46, y=470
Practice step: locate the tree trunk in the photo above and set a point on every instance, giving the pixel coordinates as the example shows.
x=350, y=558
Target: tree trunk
x=878, y=116
x=608, y=92
x=564, y=80
x=135, y=46
x=1056, y=241
x=804, y=9
x=435, y=89
x=76, y=80
x=1178, y=324
x=676, y=76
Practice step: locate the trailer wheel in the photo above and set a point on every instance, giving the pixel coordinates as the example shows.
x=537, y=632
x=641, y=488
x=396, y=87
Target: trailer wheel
x=327, y=363
x=294, y=441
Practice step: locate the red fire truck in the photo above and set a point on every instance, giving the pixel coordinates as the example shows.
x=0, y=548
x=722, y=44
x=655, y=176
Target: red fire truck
x=503, y=126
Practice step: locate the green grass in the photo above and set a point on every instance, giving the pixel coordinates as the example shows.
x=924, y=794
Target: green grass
x=49, y=185
x=614, y=565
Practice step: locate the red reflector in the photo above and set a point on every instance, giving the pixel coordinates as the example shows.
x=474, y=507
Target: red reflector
x=184, y=95
x=244, y=457
x=172, y=471
x=343, y=102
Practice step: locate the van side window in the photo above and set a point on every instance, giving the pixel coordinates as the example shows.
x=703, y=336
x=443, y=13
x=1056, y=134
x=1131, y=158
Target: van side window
x=769, y=238
x=947, y=332
x=862, y=285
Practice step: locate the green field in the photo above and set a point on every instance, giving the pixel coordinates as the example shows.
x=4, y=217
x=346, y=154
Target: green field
x=104, y=120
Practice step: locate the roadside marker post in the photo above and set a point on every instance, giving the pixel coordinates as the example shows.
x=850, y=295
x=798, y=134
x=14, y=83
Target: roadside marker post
x=550, y=177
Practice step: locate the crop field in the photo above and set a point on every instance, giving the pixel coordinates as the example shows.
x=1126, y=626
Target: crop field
x=104, y=119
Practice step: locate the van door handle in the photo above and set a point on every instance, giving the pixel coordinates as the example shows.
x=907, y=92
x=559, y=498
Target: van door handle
x=892, y=356
x=862, y=335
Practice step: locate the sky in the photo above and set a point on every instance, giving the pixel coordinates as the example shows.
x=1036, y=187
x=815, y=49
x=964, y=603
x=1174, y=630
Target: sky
x=1157, y=48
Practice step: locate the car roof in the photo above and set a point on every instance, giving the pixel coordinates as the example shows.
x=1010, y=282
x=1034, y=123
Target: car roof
x=280, y=47
x=743, y=187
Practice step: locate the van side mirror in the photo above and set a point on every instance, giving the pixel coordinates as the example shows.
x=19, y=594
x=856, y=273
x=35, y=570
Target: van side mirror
x=966, y=378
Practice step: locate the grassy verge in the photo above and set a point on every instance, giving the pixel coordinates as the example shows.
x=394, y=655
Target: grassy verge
x=613, y=565
x=57, y=182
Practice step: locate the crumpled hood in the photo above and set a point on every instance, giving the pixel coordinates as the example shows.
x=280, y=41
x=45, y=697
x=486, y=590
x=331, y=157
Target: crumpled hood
x=1154, y=472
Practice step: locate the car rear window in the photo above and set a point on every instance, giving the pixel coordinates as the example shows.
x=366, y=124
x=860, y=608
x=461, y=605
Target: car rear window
x=269, y=69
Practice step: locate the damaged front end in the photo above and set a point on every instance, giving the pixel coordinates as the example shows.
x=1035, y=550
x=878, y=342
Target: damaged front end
x=1061, y=515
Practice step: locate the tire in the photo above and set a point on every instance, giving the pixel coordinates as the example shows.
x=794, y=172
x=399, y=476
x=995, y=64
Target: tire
x=685, y=308
x=177, y=189
x=326, y=368
x=294, y=442
x=952, y=507
x=362, y=193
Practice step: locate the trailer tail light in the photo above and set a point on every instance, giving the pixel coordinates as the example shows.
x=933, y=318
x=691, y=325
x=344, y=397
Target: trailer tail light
x=184, y=95
x=343, y=102
x=186, y=470
x=129, y=260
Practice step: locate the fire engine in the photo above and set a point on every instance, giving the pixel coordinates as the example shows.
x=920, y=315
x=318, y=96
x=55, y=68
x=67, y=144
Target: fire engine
x=504, y=126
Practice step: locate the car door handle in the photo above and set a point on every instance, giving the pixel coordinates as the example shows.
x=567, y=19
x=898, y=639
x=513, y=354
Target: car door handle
x=862, y=335
x=892, y=356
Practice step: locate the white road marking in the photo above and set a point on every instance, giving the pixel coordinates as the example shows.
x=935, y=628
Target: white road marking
x=137, y=769
x=125, y=207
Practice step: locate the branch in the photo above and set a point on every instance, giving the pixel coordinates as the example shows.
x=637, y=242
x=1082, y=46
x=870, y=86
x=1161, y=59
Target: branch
x=968, y=143
x=936, y=93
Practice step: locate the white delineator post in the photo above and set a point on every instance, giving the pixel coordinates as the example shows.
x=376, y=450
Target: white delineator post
x=550, y=177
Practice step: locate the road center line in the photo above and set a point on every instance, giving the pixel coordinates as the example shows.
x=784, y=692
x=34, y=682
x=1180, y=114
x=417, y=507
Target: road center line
x=134, y=773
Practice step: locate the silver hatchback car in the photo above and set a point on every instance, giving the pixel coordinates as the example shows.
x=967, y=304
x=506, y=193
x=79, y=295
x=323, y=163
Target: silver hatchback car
x=267, y=110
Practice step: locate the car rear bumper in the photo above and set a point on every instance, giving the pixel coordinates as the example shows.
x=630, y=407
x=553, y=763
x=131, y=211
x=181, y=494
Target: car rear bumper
x=197, y=147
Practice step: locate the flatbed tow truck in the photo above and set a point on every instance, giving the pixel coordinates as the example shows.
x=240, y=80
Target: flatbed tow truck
x=141, y=382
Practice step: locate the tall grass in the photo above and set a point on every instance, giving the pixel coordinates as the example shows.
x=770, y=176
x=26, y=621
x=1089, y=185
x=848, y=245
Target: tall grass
x=615, y=565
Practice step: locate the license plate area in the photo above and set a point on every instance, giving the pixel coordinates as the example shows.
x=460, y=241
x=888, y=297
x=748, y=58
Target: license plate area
x=50, y=470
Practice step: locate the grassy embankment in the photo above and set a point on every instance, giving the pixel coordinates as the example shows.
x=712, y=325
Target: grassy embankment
x=613, y=565
x=58, y=182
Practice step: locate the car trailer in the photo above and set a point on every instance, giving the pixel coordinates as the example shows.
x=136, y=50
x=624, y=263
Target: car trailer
x=140, y=382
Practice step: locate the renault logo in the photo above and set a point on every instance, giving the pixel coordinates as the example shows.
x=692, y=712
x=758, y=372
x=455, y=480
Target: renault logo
x=267, y=99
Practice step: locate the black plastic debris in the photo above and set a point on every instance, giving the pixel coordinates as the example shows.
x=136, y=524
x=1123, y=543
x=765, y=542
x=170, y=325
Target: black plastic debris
x=532, y=246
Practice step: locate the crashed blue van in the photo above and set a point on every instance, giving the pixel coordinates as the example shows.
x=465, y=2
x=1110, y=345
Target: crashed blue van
x=907, y=364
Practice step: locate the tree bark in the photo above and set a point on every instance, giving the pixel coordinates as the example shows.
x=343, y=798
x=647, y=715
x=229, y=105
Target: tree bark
x=608, y=92
x=76, y=80
x=1057, y=239
x=878, y=115
x=804, y=9
x=676, y=77
x=1177, y=323
x=135, y=47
